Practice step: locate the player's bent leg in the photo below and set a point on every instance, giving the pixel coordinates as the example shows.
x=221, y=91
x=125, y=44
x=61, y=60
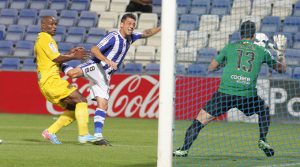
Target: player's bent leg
x=64, y=120
x=75, y=72
x=204, y=117
x=192, y=133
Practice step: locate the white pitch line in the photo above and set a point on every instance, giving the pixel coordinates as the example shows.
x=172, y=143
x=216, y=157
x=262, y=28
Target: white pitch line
x=282, y=165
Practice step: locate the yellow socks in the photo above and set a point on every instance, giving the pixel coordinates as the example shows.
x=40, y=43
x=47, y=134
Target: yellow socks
x=82, y=116
x=64, y=120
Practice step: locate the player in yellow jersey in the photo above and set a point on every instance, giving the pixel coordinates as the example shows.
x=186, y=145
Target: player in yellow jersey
x=56, y=90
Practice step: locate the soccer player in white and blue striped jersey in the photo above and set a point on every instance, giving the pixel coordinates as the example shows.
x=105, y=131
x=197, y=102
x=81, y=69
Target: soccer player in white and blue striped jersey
x=108, y=56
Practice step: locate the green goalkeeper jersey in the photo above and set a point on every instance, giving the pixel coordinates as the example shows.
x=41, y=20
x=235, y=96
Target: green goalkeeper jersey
x=242, y=61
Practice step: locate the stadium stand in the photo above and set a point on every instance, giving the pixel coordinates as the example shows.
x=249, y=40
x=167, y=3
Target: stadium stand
x=291, y=24
x=296, y=44
x=183, y=6
x=180, y=69
x=145, y=54
x=206, y=55
x=8, y=16
x=155, y=40
x=65, y=46
x=209, y=23
x=94, y=35
x=156, y=6
x=6, y=48
x=23, y=48
x=261, y=8
x=59, y=4
x=282, y=8
x=118, y=5
x=87, y=19
x=60, y=33
x=270, y=24
x=147, y=20
x=133, y=68
x=27, y=17
x=296, y=11
x=296, y=73
x=68, y=18
x=220, y=7
x=15, y=32
x=241, y=8
x=186, y=54
x=100, y=6
x=4, y=4
x=75, y=35
x=200, y=7
x=10, y=63
x=38, y=4
x=152, y=68
x=80, y=5
x=130, y=56
x=197, y=69
x=197, y=39
x=188, y=22
x=108, y=20
x=18, y=4
x=28, y=64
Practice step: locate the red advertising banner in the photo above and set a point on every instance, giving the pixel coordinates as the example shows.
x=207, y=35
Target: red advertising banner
x=131, y=96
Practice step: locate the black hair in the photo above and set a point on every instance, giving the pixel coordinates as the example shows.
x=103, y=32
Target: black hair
x=128, y=15
x=247, y=29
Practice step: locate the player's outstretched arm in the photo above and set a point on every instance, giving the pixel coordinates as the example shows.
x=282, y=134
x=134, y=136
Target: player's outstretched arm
x=74, y=54
x=150, y=32
x=213, y=65
x=280, y=41
x=95, y=50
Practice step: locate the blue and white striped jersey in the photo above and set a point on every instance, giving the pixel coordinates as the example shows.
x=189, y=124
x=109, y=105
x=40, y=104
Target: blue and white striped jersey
x=114, y=46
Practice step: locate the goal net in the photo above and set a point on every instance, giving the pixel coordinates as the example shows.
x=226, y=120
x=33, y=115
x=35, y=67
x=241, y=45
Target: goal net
x=204, y=27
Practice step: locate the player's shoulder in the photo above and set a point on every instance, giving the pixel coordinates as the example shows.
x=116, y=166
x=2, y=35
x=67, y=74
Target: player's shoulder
x=42, y=36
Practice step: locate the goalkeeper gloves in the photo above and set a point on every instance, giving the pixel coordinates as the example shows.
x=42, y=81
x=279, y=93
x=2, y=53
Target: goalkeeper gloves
x=280, y=41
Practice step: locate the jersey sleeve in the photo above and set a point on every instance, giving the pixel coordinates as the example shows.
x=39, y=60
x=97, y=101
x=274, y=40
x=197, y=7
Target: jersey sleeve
x=270, y=60
x=220, y=58
x=49, y=46
x=135, y=36
x=106, y=42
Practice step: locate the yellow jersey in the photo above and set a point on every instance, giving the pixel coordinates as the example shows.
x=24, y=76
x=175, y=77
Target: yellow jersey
x=46, y=50
x=52, y=86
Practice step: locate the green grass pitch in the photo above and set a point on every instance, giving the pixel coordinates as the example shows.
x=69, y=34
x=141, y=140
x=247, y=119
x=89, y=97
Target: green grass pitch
x=135, y=144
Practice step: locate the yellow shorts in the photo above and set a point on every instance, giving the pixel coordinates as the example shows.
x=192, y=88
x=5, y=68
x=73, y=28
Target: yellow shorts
x=55, y=89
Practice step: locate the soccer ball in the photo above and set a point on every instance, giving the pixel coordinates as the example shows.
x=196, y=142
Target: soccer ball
x=261, y=39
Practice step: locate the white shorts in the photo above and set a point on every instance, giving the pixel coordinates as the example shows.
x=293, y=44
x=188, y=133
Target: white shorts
x=98, y=78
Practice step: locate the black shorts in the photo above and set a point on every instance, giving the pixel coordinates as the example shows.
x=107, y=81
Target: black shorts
x=220, y=103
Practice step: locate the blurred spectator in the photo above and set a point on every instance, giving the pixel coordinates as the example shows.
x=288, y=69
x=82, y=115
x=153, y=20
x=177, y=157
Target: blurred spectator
x=144, y=6
x=1, y=35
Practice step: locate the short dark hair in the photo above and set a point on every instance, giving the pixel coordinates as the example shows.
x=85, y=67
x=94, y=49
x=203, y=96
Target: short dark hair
x=128, y=15
x=247, y=29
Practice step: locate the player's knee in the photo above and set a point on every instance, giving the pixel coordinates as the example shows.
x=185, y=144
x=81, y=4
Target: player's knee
x=71, y=106
x=72, y=74
x=77, y=97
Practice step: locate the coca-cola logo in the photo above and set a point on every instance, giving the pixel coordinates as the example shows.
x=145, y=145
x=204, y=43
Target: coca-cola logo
x=134, y=96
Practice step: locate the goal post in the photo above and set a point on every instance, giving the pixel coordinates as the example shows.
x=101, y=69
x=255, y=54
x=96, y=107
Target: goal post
x=167, y=84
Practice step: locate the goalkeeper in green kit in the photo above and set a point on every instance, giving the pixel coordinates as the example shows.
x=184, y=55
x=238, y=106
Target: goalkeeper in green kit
x=242, y=61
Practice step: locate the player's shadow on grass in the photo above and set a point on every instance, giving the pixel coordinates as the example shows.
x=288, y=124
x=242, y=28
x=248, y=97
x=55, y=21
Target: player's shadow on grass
x=142, y=165
x=228, y=157
x=34, y=140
